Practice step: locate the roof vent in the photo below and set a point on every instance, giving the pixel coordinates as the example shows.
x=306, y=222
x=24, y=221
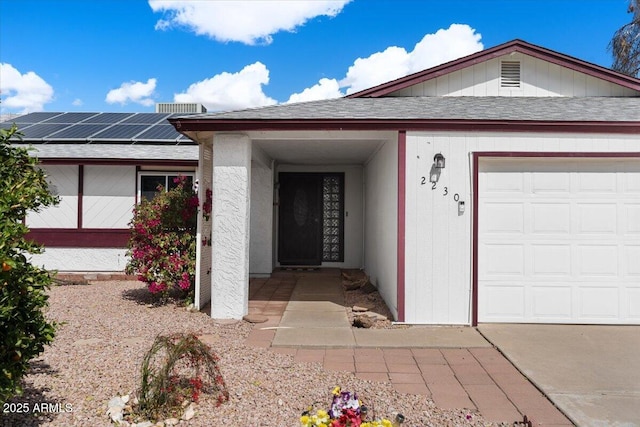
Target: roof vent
x=174, y=107
x=510, y=74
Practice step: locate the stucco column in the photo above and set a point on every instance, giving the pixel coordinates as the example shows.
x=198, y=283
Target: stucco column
x=231, y=188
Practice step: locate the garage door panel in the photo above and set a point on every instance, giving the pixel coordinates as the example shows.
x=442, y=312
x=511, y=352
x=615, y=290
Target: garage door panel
x=559, y=240
x=506, y=303
x=551, y=260
x=599, y=303
x=551, y=182
x=504, y=218
x=598, y=218
x=503, y=259
x=633, y=303
x=597, y=260
x=551, y=218
x=632, y=260
x=552, y=302
x=632, y=218
x=597, y=182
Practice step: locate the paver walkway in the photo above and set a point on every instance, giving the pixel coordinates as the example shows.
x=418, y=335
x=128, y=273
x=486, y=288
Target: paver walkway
x=474, y=376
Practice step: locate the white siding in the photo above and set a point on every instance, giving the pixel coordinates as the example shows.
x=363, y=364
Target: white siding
x=539, y=78
x=81, y=260
x=63, y=181
x=381, y=222
x=438, y=239
x=109, y=196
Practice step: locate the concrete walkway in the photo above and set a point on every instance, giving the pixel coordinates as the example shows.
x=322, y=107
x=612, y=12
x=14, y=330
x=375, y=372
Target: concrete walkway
x=591, y=372
x=455, y=366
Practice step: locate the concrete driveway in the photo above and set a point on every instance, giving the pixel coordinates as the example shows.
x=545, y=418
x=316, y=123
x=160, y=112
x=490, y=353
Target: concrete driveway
x=592, y=373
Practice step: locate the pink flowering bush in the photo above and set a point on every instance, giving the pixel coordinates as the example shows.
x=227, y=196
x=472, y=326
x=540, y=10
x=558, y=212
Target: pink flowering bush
x=162, y=246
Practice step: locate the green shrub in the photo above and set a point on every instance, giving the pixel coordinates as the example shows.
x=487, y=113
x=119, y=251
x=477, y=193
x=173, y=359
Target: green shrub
x=162, y=246
x=24, y=330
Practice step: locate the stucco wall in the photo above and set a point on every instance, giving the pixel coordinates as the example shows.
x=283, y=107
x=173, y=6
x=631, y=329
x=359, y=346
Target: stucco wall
x=438, y=238
x=353, y=220
x=381, y=222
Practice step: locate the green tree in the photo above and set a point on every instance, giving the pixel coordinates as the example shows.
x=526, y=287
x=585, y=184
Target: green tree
x=24, y=330
x=625, y=44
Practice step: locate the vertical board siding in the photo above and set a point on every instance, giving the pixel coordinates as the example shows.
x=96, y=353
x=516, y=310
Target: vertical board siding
x=63, y=181
x=538, y=77
x=381, y=222
x=438, y=240
x=109, y=196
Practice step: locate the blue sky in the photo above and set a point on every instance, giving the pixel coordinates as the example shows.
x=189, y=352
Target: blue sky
x=126, y=55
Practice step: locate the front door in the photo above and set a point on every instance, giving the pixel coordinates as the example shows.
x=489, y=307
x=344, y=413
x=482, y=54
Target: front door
x=300, y=219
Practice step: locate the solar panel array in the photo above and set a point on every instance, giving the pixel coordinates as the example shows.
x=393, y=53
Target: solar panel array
x=146, y=128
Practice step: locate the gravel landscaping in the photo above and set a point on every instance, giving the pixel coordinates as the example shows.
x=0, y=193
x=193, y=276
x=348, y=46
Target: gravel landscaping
x=107, y=327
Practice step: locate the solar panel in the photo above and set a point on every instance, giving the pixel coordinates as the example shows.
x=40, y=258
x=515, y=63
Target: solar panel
x=108, y=118
x=33, y=117
x=159, y=132
x=71, y=118
x=147, y=118
x=79, y=131
x=41, y=130
x=120, y=132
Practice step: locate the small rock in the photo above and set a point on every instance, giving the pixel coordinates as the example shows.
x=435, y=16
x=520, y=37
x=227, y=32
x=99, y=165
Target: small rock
x=171, y=421
x=144, y=424
x=189, y=413
x=368, y=288
x=358, y=309
x=116, y=402
x=255, y=318
x=125, y=398
x=374, y=316
x=353, y=286
x=362, y=322
x=117, y=417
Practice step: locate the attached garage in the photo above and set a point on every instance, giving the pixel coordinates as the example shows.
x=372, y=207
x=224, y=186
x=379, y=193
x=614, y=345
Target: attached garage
x=558, y=239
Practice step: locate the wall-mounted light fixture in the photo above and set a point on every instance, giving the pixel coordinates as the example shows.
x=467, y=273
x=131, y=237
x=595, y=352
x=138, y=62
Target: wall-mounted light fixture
x=436, y=168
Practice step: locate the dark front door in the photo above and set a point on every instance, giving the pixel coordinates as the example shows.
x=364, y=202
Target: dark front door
x=300, y=219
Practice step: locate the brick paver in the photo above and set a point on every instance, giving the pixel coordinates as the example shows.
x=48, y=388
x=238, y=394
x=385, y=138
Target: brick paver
x=474, y=378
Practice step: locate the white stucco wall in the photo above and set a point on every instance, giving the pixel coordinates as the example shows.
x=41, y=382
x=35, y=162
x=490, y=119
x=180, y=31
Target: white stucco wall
x=353, y=207
x=381, y=222
x=438, y=239
x=70, y=260
x=231, y=191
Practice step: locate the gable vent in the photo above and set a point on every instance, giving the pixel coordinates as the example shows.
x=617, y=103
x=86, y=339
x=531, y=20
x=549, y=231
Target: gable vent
x=510, y=74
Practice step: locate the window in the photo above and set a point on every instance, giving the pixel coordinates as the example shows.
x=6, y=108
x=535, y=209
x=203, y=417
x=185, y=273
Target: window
x=332, y=214
x=148, y=182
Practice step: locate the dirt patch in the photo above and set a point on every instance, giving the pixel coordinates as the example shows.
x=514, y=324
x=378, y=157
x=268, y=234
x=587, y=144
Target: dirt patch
x=361, y=294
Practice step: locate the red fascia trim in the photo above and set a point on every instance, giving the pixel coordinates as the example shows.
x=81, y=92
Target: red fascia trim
x=80, y=193
x=516, y=154
x=402, y=166
x=84, y=238
x=223, y=125
x=494, y=52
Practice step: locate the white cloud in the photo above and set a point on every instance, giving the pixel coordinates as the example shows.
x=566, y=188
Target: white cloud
x=229, y=91
x=325, y=89
x=28, y=92
x=137, y=92
x=77, y=102
x=395, y=62
x=249, y=22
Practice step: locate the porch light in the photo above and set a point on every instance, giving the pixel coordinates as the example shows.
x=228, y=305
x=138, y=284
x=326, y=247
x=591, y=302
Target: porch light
x=438, y=161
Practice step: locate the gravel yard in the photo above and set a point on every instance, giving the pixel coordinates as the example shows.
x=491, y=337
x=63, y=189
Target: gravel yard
x=107, y=327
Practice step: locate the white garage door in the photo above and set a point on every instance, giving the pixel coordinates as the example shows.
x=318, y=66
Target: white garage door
x=559, y=241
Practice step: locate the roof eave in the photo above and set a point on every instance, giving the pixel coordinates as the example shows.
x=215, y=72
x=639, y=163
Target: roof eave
x=453, y=125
